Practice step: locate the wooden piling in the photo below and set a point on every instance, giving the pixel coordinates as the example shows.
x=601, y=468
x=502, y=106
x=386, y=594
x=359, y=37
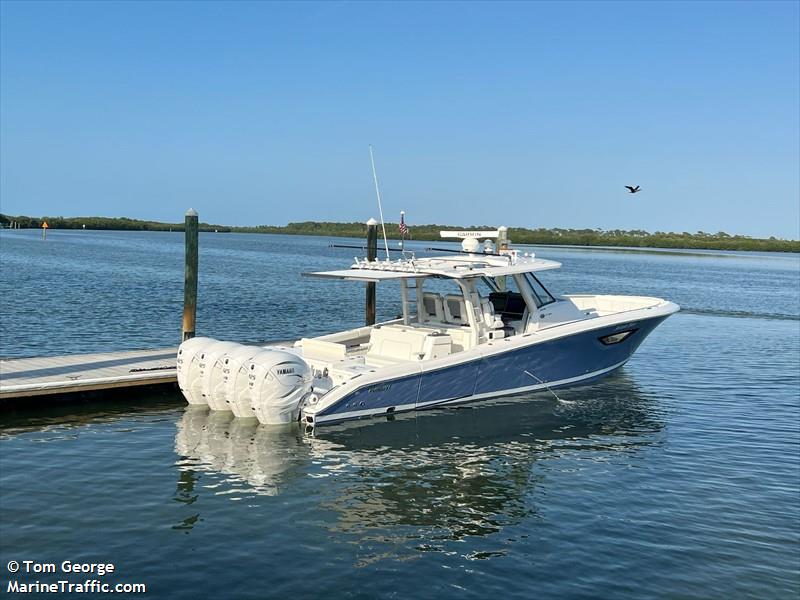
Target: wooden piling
x=372, y=254
x=502, y=244
x=502, y=238
x=190, y=275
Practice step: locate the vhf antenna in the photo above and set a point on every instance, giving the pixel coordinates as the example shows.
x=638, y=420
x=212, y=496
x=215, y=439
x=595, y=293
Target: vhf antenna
x=380, y=208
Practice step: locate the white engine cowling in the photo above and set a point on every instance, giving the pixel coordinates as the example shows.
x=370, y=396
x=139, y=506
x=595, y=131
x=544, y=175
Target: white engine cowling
x=189, y=368
x=234, y=393
x=276, y=383
x=200, y=370
x=212, y=380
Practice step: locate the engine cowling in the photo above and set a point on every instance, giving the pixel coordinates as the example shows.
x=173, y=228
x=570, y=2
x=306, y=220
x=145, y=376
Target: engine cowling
x=189, y=371
x=212, y=382
x=235, y=391
x=276, y=384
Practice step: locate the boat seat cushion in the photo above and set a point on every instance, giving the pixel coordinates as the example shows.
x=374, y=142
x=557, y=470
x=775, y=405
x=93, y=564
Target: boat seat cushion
x=322, y=350
x=455, y=310
x=392, y=343
x=461, y=337
x=491, y=320
x=432, y=308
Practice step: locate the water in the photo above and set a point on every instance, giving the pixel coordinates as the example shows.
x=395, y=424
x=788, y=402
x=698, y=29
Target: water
x=679, y=477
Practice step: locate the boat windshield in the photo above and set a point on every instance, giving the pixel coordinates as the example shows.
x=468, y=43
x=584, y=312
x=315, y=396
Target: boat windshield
x=540, y=292
x=508, y=284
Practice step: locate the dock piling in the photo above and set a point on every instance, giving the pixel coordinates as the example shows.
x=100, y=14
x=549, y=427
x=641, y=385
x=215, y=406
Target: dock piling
x=190, y=275
x=372, y=254
x=502, y=239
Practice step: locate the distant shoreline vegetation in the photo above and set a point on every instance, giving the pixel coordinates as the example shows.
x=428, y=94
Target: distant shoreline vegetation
x=568, y=237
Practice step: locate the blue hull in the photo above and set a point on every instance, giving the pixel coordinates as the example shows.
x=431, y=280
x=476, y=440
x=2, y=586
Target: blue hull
x=559, y=362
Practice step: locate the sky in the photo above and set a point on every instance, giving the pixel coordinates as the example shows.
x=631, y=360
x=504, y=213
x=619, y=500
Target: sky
x=520, y=114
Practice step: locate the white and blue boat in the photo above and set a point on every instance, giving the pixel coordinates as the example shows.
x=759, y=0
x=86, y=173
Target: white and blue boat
x=476, y=323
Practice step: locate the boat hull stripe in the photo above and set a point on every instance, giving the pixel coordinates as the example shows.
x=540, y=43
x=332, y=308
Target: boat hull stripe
x=358, y=414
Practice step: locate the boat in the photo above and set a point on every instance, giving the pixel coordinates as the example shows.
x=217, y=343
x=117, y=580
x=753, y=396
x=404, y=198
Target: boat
x=476, y=323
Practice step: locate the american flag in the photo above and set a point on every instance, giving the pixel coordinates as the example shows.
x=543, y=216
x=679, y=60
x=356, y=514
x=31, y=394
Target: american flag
x=403, y=227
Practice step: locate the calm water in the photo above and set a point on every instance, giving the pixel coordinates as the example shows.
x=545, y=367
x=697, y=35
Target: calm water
x=679, y=477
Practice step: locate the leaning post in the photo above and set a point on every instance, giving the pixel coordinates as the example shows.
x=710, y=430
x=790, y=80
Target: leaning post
x=190, y=276
x=372, y=254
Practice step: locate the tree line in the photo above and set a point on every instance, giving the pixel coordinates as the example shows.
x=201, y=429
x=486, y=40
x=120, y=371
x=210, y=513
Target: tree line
x=110, y=223
x=556, y=236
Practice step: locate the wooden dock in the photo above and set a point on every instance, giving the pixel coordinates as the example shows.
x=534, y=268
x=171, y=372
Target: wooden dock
x=60, y=375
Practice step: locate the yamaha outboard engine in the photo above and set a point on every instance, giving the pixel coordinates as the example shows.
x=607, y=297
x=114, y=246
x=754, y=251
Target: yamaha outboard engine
x=277, y=383
x=189, y=370
x=234, y=391
x=212, y=381
x=271, y=385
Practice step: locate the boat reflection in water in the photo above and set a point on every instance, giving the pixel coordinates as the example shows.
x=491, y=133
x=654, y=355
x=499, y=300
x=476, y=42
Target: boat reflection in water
x=253, y=457
x=455, y=473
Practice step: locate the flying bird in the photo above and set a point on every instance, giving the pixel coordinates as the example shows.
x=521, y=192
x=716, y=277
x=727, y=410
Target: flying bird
x=632, y=189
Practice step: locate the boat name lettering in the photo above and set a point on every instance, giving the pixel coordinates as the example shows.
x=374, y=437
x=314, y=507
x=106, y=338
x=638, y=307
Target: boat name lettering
x=380, y=388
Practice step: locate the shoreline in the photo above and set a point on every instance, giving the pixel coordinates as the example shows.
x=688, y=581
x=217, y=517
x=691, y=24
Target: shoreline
x=556, y=237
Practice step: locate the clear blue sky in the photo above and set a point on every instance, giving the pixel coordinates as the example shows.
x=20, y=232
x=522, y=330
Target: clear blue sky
x=528, y=114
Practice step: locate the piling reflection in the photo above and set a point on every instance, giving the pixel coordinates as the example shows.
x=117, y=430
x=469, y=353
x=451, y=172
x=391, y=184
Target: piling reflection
x=448, y=474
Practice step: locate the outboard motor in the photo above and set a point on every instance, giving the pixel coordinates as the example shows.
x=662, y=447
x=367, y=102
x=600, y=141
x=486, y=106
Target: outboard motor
x=276, y=383
x=201, y=367
x=232, y=392
x=188, y=368
x=212, y=377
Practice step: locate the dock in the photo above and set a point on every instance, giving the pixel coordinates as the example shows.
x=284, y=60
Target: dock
x=95, y=375
x=78, y=373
